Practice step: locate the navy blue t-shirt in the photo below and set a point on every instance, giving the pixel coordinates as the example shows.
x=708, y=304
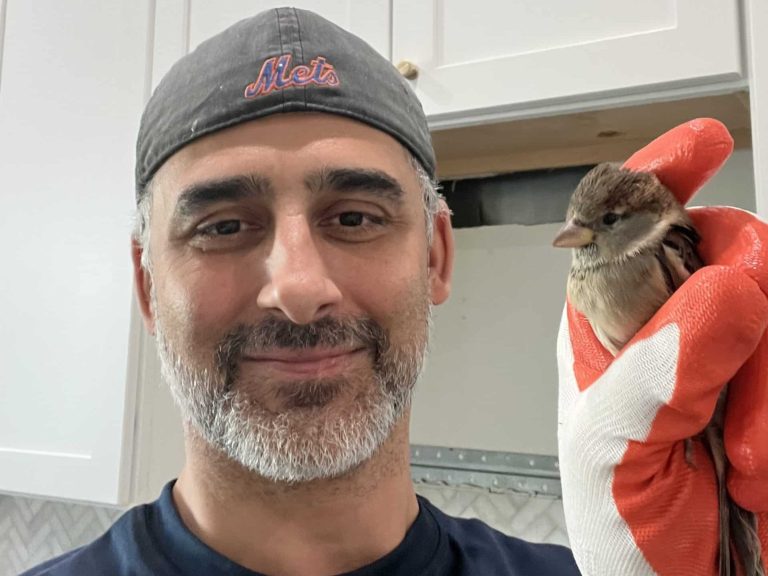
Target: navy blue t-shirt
x=151, y=540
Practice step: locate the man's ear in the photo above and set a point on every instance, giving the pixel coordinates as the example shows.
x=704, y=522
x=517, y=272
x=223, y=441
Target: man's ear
x=142, y=282
x=441, y=256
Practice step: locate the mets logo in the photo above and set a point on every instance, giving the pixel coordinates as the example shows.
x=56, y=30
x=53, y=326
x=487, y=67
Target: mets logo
x=276, y=73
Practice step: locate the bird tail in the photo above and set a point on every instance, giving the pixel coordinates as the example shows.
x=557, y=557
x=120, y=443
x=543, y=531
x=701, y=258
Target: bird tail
x=739, y=541
x=743, y=525
x=713, y=435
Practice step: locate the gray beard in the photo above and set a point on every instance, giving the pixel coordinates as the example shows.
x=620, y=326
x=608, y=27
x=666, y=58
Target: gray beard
x=308, y=441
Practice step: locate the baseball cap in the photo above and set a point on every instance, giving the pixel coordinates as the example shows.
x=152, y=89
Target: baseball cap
x=281, y=60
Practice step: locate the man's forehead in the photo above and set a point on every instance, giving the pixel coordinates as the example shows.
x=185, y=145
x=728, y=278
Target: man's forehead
x=286, y=146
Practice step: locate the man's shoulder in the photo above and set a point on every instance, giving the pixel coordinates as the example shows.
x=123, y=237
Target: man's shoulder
x=53, y=565
x=117, y=552
x=485, y=550
x=98, y=557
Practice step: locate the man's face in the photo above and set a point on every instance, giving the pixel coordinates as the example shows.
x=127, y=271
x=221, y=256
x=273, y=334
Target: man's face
x=290, y=290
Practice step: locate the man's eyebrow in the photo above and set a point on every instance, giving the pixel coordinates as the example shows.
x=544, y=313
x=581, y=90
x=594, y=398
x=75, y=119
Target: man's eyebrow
x=368, y=180
x=199, y=196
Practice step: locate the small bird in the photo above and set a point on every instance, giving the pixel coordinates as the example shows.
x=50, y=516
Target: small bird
x=633, y=246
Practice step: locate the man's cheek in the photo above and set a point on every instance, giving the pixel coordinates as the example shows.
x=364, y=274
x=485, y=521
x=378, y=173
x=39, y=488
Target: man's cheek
x=396, y=292
x=215, y=299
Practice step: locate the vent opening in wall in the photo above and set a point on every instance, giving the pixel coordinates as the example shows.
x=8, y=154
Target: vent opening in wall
x=528, y=198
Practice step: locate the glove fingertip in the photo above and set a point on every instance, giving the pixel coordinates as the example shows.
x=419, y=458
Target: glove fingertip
x=686, y=156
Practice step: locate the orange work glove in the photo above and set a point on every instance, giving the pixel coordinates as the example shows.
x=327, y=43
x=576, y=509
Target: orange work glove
x=633, y=504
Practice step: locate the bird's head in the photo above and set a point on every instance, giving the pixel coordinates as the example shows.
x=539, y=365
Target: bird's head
x=615, y=213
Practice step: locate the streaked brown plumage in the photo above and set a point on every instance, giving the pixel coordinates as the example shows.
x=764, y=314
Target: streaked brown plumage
x=633, y=246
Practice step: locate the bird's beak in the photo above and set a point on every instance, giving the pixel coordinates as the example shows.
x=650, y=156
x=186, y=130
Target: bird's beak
x=573, y=235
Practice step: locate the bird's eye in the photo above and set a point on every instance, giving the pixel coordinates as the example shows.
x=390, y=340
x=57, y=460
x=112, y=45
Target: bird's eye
x=610, y=219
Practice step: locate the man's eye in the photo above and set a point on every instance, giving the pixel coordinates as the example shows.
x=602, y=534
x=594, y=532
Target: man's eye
x=223, y=228
x=227, y=234
x=354, y=225
x=351, y=218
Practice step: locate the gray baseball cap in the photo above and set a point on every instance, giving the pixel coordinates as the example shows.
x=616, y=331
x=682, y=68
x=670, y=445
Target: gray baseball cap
x=281, y=60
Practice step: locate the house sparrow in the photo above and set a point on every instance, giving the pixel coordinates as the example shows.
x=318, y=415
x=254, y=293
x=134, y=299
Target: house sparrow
x=633, y=246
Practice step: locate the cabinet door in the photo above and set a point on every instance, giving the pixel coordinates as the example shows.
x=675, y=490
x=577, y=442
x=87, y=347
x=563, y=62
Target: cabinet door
x=183, y=24
x=71, y=94
x=505, y=59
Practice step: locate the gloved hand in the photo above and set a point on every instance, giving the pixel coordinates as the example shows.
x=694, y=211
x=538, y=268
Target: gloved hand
x=633, y=504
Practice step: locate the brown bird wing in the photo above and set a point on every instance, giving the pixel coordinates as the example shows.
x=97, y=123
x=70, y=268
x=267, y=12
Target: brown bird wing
x=679, y=258
x=677, y=255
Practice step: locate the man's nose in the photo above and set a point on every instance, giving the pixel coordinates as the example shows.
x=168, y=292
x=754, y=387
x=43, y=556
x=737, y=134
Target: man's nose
x=298, y=283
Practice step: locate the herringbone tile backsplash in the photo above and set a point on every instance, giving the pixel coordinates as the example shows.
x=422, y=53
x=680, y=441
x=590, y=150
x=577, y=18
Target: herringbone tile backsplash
x=32, y=530
x=532, y=518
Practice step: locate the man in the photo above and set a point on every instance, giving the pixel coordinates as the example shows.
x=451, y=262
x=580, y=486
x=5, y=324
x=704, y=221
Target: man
x=289, y=246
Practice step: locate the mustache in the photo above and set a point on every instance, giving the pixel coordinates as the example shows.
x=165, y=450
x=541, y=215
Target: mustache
x=275, y=333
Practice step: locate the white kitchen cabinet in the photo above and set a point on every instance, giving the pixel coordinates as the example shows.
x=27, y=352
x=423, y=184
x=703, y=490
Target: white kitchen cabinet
x=71, y=94
x=492, y=59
